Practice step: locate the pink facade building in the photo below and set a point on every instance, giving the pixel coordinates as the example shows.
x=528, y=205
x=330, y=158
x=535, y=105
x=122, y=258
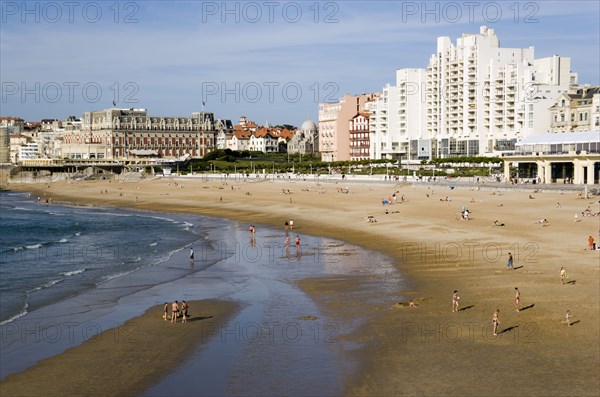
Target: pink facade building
x=334, y=125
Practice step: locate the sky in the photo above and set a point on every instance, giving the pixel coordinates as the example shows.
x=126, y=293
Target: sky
x=271, y=61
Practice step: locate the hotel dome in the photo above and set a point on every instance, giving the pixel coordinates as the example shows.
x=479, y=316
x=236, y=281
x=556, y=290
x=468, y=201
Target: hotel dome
x=308, y=125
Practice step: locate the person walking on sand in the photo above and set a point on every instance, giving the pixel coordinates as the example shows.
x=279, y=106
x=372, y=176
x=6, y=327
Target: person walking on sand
x=562, y=275
x=174, y=311
x=568, y=318
x=455, y=299
x=509, y=264
x=517, y=299
x=166, y=311
x=496, y=321
x=591, y=243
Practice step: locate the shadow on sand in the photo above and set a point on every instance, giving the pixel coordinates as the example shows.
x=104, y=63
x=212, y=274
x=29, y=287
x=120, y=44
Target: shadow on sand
x=527, y=307
x=508, y=329
x=466, y=308
x=199, y=318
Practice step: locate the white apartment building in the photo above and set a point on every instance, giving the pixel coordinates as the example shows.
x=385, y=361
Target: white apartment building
x=28, y=151
x=482, y=98
x=398, y=119
x=383, y=123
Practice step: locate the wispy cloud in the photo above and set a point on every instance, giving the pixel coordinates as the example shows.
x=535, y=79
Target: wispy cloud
x=176, y=49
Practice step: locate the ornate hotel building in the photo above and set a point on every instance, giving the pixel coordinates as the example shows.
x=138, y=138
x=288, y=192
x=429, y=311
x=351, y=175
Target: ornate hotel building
x=130, y=133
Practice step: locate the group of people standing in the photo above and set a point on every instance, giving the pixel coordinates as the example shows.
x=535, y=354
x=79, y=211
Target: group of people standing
x=516, y=301
x=496, y=315
x=176, y=311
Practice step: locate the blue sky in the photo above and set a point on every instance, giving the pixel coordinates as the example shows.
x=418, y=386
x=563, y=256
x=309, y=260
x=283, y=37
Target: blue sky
x=268, y=60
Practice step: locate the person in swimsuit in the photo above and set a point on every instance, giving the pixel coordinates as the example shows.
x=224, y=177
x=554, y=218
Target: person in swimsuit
x=562, y=275
x=175, y=311
x=496, y=321
x=455, y=299
x=166, y=311
x=184, y=311
x=517, y=299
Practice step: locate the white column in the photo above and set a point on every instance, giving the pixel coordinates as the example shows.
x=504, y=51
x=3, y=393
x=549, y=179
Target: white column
x=591, y=168
x=506, y=171
x=577, y=172
x=540, y=171
x=548, y=172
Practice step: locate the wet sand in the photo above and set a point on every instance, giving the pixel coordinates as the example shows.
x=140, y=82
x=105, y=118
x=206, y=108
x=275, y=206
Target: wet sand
x=427, y=350
x=123, y=361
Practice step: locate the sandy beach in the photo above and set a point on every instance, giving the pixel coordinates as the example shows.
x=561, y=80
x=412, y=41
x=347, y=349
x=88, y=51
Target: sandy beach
x=426, y=349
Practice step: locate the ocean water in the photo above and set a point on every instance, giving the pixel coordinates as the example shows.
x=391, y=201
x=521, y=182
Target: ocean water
x=67, y=273
x=51, y=252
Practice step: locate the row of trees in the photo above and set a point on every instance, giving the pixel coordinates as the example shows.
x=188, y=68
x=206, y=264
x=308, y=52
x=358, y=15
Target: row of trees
x=227, y=160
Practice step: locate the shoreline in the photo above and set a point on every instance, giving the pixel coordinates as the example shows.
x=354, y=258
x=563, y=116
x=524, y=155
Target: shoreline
x=126, y=359
x=436, y=253
x=316, y=331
